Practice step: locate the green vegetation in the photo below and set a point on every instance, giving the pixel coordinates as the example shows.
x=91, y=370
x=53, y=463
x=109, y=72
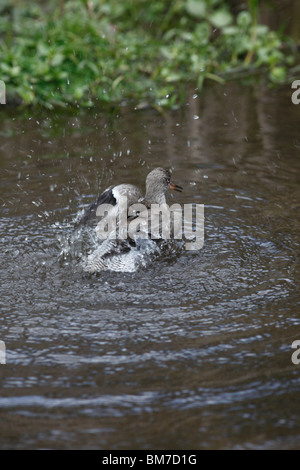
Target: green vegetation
x=109, y=51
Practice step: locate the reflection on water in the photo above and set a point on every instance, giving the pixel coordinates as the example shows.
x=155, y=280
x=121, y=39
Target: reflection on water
x=191, y=351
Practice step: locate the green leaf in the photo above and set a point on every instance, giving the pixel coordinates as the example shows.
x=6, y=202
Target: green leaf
x=196, y=8
x=230, y=30
x=26, y=94
x=221, y=18
x=42, y=49
x=57, y=59
x=278, y=74
x=214, y=77
x=117, y=81
x=244, y=19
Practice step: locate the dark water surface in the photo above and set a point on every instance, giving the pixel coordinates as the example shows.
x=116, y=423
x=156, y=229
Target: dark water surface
x=192, y=352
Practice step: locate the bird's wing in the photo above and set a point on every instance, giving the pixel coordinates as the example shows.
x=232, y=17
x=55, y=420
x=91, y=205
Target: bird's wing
x=112, y=196
x=107, y=197
x=112, y=255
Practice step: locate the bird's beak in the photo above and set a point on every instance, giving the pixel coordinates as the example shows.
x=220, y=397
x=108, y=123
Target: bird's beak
x=175, y=187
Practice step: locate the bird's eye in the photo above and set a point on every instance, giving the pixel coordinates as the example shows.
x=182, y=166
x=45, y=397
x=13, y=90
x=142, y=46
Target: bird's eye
x=167, y=180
